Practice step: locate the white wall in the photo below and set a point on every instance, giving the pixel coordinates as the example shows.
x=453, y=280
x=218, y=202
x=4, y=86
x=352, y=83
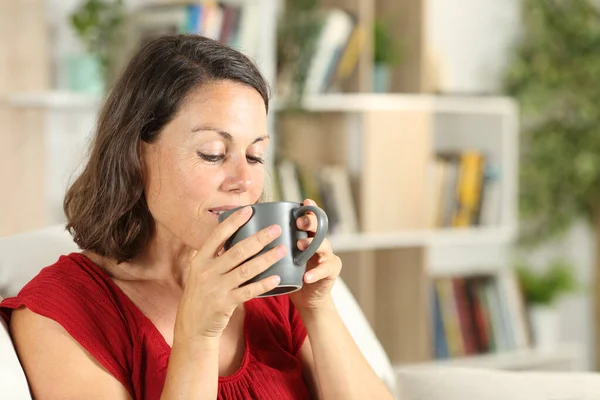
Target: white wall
x=469, y=41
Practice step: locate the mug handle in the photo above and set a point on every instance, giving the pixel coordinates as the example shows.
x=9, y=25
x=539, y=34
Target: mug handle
x=322, y=227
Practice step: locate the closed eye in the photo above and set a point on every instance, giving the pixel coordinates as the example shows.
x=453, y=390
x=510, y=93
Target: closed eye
x=211, y=157
x=215, y=158
x=255, y=160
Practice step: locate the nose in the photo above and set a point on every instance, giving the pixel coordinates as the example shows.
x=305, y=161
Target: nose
x=239, y=176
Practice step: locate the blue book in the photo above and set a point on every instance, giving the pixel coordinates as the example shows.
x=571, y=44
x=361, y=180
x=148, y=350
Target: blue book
x=439, y=334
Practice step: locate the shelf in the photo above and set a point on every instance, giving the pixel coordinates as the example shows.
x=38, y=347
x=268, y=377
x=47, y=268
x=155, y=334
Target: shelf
x=57, y=100
x=428, y=238
x=360, y=102
x=567, y=356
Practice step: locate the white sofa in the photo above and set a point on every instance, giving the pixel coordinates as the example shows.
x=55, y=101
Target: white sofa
x=22, y=256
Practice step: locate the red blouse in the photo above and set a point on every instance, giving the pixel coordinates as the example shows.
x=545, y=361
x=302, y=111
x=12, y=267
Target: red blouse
x=77, y=294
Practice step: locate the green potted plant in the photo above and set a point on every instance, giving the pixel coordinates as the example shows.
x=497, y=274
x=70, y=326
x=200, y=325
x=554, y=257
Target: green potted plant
x=298, y=28
x=386, y=54
x=541, y=291
x=97, y=24
x=553, y=76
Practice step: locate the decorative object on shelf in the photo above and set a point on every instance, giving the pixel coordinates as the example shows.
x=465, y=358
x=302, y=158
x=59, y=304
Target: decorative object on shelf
x=298, y=32
x=386, y=54
x=98, y=25
x=552, y=76
x=541, y=291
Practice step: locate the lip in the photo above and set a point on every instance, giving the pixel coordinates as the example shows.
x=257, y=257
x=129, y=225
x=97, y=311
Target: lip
x=222, y=209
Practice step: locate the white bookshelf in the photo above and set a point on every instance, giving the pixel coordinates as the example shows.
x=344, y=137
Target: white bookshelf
x=433, y=238
x=565, y=357
x=360, y=102
x=55, y=100
x=488, y=123
x=381, y=260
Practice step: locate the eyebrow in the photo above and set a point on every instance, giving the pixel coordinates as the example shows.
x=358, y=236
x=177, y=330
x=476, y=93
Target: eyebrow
x=225, y=135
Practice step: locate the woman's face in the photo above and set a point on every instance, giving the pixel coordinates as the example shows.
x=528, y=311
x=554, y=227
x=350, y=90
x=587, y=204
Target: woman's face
x=206, y=160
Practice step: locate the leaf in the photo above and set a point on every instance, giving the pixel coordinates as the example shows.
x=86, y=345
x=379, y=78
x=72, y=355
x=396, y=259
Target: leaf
x=552, y=75
x=545, y=287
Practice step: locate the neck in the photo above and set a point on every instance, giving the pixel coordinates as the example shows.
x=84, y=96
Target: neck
x=164, y=258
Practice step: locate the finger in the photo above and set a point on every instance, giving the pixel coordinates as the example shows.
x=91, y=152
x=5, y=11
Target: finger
x=330, y=269
x=307, y=222
x=309, y=202
x=324, y=248
x=252, y=290
x=248, y=247
x=250, y=269
x=224, y=230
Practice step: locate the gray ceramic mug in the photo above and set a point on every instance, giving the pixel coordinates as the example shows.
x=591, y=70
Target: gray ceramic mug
x=292, y=267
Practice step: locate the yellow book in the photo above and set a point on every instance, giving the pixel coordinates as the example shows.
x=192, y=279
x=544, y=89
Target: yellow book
x=468, y=188
x=351, y=52
x=450, y=319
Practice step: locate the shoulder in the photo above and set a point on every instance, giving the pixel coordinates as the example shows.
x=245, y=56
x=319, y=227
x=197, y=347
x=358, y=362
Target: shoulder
x=72, y=286
x=67, y=319
x=49, y=355
x=74, y=296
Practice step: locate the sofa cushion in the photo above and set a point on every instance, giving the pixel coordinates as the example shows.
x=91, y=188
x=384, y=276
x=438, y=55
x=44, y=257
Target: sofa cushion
x=457, y=383
x=22, y=256
x=13, y=384
x=362, y=333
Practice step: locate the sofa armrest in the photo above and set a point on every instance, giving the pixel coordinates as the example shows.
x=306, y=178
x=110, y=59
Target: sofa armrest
x=22, y=256
x=13, y=384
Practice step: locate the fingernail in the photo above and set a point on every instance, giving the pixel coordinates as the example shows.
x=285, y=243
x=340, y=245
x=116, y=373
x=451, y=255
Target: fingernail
x=306, y=221
x=274, y=230
x=308, y=277
x=246, y=210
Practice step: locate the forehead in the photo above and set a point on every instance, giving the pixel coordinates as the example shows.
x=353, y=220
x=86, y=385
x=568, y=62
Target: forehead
x=224, y=97
x=222, y=106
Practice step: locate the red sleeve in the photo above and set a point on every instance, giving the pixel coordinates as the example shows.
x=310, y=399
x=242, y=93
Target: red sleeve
x=80, y=302
x=298, y=329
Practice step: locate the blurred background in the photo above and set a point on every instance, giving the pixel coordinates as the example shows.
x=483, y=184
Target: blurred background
x=454, y=145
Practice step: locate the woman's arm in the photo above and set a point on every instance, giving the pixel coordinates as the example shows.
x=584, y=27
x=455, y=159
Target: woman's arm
x=193, y=371
x=335, y=366
x=56, y=366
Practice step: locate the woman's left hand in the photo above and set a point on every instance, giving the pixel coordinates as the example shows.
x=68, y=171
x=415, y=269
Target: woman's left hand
x=322, y=269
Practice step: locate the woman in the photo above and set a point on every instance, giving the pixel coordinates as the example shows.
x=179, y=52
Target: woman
x=152, y=308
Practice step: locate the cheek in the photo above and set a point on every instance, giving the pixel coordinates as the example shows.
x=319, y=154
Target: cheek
x=174, y=181
x=193, y=183
x=258, y=182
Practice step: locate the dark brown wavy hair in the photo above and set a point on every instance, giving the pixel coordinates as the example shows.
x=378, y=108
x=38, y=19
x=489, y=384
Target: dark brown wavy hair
x=106, y=206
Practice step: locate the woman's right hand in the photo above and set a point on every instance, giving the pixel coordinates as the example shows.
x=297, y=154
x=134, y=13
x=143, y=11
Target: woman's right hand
x=212, y=291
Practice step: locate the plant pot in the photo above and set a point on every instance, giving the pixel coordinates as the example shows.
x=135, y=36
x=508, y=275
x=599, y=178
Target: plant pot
x=84, y=73
x=544, y=326
x=381, y=78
